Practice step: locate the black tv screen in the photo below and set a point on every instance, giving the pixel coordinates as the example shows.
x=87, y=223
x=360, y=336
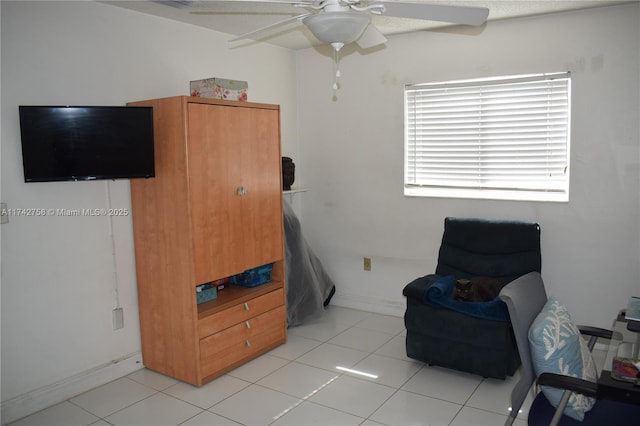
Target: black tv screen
x=86, y=142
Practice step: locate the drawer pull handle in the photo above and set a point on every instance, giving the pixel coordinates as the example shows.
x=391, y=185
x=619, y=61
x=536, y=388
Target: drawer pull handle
x=246, y=306
x=247, y=342
x=247, y=324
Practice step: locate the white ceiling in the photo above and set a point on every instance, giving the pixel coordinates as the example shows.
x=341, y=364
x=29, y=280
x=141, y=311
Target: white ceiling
x=240, y=17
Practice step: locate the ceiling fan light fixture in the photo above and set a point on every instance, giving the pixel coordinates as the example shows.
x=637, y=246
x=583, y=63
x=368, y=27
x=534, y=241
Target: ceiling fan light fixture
x=337, y=27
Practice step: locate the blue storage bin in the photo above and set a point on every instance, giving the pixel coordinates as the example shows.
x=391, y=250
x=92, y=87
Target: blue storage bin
x=253, y=277
x=206, y=292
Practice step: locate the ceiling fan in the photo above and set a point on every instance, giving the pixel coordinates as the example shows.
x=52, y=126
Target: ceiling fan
x=348, y=21
x=340, y=22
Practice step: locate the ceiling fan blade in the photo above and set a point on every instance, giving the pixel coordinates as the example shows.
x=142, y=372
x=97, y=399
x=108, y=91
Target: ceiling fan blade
x=432, y=12
x=256, y=7
x=250, y=34
x=371, y=37
x=211, y=3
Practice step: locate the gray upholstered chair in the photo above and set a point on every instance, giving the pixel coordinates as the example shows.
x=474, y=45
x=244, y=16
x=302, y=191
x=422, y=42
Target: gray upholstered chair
x=525, y=298
x=468, y=341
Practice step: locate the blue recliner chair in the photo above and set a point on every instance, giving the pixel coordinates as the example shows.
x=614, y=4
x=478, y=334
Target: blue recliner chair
x=469, y=341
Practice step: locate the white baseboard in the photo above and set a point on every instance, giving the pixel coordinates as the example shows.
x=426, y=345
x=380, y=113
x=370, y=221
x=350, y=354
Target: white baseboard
x=394, y=308
x=46, y=396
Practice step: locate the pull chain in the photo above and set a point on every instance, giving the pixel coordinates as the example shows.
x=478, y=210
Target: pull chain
x=336, y=61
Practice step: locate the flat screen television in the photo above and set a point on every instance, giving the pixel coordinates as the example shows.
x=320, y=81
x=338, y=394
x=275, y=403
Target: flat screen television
x=62, y=143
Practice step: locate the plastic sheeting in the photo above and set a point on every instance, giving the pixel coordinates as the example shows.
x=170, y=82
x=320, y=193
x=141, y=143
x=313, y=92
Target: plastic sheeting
x=309, y=287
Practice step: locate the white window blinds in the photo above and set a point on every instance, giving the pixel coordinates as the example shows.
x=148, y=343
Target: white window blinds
x=505, y=138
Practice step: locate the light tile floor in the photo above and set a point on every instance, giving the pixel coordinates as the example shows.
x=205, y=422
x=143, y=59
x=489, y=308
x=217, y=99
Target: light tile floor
x=298, y=384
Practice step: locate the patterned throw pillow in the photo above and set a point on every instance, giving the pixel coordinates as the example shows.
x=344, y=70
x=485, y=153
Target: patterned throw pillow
x=556, y=347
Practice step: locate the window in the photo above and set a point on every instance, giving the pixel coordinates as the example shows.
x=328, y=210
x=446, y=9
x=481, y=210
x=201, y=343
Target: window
x=501, y=138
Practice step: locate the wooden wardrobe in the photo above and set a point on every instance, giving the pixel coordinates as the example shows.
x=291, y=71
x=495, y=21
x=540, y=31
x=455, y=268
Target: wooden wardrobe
x=213, y=210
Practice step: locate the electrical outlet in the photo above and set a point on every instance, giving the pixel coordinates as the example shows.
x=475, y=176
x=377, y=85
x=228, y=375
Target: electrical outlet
x=367, y=263
x=118, y=319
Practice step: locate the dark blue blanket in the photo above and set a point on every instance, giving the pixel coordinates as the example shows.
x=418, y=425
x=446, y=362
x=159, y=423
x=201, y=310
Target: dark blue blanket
x=440, y=293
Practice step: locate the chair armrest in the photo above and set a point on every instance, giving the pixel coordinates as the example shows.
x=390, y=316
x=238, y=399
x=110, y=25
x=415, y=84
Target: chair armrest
x=416, y=288
x=573, y=384
x=595, y=331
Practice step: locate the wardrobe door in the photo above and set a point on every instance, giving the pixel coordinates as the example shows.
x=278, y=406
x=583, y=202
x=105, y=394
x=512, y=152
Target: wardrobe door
x=215, y=191
x=260, y=176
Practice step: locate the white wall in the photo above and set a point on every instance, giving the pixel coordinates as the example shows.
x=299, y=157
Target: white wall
x=352, y=158
x=59, y=273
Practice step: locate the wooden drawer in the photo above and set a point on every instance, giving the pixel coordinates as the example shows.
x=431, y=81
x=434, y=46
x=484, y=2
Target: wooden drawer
x=239, y=313
x=243, y=341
